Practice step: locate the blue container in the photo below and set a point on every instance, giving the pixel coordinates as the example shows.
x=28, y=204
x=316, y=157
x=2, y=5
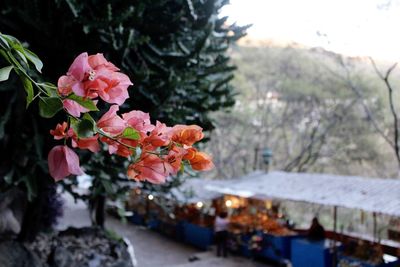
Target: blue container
x=198, y=236
x=350, y=261
x=153, y=224
x=277, y=248
x=136, y=218
x=306, y=253
x=245, y=245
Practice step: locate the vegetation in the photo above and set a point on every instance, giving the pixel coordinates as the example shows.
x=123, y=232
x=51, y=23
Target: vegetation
x=174, y=51
x=318, y=111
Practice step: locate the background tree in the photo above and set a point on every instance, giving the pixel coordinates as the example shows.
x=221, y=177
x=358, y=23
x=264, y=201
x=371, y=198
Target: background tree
x=174, y=51
x=299, y=102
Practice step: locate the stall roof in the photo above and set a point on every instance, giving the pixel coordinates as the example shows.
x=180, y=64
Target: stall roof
x=369, y=194
x=195, y=189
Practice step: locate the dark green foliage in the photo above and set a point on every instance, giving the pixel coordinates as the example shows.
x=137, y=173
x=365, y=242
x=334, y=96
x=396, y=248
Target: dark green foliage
x=173, y=50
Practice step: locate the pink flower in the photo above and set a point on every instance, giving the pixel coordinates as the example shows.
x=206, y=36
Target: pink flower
x=160, y=136
x=65, y=84
x=80, y=67
x=98, y=61
x=174, y=159
x=90, y=143
x=93, y=76
x=114, y=89
x=111, y=123
x=63, y=161
x=138, y=120
x=150, y=168
x=73, y=108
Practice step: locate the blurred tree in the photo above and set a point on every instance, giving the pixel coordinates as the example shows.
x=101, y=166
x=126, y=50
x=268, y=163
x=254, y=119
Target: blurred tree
x=173, y=50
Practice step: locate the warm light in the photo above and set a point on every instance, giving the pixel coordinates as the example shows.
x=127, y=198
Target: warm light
x=138, y=191
x=228, y=203
x=150, y=197
x=199, y=204
x=268, y=204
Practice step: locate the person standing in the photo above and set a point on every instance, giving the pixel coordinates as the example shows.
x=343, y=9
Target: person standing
x=316, y=231
x=221, y=225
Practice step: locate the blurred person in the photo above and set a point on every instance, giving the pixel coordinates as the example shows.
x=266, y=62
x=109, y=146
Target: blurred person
x=221, y=225
x=316, y=232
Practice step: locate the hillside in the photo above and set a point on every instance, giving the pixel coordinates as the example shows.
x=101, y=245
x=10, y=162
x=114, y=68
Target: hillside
x=318, y=111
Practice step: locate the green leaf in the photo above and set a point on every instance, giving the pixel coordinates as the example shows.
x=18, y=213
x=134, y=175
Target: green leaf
x=130, y=133
x=32, y=57
x=22, y=56
x=49, y=106
x=28, y=89
x=8, y=177
x=84, y=102
x=3, y=42
x=50, y=88
x=5, y=73
x=83, y=128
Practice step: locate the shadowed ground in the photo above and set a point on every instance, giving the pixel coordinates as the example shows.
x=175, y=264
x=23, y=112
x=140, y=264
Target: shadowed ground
x=151, y=248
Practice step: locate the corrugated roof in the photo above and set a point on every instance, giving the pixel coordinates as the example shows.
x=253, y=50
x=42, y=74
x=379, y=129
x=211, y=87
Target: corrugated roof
x=369, y=194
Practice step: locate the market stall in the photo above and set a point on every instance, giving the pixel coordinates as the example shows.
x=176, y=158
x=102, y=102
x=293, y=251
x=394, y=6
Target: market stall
x=258, y=228
x=376, y=196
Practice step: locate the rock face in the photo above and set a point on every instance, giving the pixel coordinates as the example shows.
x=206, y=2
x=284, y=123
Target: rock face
x=81, y=247
x=15, y=254
x=12, y=207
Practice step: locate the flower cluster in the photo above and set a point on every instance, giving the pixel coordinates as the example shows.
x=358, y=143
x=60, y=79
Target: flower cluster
x=156, y=151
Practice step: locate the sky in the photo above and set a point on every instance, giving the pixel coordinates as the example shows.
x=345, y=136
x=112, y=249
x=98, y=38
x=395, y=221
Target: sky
x=351, y=27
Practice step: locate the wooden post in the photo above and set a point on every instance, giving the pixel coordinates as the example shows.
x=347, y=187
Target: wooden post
x=334, y=256
x=375, y=230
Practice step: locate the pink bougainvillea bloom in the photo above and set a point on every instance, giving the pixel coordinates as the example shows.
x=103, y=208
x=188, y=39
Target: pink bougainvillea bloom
x=115, y=86
x=150, y=168
x=98, y=61
x=60, y=131
x=90, y=143
x=93, y=76
x=80, y=67
x=63, y=161
x=65, y=84
x=174, y=159
x=73, y=108
x=138, y=120
x=111, y=123
x=160, y=136
x=187, y=134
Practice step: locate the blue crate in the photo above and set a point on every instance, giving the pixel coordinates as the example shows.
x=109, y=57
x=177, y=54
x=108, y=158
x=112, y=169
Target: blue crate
x=277, y=248
x=306, y=253
x=198, y=236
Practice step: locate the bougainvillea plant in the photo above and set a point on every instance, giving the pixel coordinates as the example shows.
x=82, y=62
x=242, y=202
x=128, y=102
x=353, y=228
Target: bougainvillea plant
x=155, y=151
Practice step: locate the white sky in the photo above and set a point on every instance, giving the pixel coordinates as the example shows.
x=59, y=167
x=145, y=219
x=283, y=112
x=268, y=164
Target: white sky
x=351, y=27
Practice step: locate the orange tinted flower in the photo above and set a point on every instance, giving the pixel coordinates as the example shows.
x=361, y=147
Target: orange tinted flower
x=150, y=168
x=201, y=162
x=174, y=159
x=190, y=153
x=187, y=134
x=60, y=131
x=90, y=143
x=159, y=136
